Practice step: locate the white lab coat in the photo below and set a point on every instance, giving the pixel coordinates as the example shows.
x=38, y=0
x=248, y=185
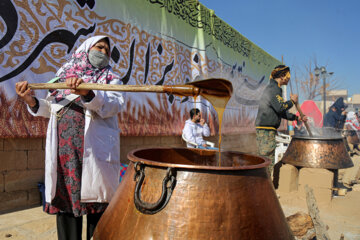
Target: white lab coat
x=194, y=132
x=101, y=160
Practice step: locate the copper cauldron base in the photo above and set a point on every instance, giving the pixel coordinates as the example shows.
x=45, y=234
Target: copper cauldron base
x=233, y=201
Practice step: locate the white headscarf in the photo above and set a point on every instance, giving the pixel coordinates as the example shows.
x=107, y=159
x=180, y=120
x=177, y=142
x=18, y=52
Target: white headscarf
x=79, y=66
x=88, y=43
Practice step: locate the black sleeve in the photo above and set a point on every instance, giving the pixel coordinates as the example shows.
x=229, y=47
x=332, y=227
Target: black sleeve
x=89, y=96
x=35, y=108
x=278, y=104
x=289, y=116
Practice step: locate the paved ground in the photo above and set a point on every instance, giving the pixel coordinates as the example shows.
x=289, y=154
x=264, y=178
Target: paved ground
x=29, y=224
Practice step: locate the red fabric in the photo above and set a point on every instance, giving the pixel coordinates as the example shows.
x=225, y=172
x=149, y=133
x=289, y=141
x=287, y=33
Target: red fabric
x=310, y=109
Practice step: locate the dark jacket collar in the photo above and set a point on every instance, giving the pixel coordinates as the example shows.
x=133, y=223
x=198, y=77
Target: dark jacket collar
x=275, y=83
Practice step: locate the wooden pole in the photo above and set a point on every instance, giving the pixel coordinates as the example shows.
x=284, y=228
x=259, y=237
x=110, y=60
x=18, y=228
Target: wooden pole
x=184, y=90
x=320, y=227
x=302, y=115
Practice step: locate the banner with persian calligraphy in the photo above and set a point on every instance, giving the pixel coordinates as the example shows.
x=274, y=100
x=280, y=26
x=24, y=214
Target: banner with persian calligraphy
x=153, y=42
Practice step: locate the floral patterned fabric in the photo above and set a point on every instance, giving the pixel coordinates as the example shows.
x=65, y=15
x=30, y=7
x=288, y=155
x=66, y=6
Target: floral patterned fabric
x=80, y=67
x=71, y=123
x=123, y=168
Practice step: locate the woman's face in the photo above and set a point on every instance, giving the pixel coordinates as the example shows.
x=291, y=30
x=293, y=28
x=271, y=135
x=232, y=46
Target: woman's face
x=102, y=46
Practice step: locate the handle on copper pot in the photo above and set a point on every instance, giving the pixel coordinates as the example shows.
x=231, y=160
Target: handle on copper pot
x=168, y=186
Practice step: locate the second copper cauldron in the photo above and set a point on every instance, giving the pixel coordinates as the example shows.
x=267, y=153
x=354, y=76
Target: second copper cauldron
x=179, y=193
x=317, y=152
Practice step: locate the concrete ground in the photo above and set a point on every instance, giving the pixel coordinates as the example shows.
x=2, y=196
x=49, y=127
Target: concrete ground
x=29, y=224
x=342, y=215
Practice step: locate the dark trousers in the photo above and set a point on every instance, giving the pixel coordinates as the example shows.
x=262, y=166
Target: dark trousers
x=69, y=227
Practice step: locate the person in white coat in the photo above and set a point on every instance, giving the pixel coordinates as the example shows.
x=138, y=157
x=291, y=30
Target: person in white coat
x=82, y=156
x=194, y=130
x=353, y=131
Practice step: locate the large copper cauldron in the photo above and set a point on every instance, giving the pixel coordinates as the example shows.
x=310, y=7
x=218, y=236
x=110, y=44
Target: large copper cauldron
x=317, y=152
x=179, y=193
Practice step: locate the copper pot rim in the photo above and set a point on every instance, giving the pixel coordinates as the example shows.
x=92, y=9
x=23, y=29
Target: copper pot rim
x=321, y=138
x=131, y=156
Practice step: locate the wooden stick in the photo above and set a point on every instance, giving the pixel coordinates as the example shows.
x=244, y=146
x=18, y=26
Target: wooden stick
x=184, y=90
x=302, y=115
x=320, y=227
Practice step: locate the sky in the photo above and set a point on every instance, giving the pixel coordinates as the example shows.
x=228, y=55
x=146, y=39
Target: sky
x=301, y=31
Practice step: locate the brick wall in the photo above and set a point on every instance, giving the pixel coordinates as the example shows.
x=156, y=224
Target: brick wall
x=21, y=168
x=22, y=163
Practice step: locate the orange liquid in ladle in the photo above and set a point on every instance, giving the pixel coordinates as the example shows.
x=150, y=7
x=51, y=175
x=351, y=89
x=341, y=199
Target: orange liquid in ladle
x=218, y=93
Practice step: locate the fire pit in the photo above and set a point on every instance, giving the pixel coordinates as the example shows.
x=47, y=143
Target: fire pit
x=180, y=193
x=317, y=152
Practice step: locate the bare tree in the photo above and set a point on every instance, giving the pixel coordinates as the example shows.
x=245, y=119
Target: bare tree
x=309, y=86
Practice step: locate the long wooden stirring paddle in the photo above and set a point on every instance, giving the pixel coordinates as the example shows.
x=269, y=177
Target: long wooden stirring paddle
x=212, y=86
x=301, y=113
x=184, y=90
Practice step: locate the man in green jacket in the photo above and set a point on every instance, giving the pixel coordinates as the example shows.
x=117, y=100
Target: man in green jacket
x=272, y=108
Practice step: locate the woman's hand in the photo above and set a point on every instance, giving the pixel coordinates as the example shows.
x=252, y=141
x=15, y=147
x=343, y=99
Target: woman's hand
x=73, y=83
x=22, y=89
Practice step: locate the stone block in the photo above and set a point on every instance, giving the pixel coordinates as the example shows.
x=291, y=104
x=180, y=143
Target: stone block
x=178, y=140
x=34, y=197
x=13, y=200
x=2, y=182
x=316, y=177
x=152, y=141
x=356, y=188
x=353, y=195
x=123, y=156
x=36, y=159
x=288, y=179
x=12, y=160
x=43, y=143
x=124, y=150
x=131, y=140
x=176, y=145
x=214, y=139
x=322, y=195
x=16, y=144
x=350, y=174
x=23, y=180
x=167, y=140
x=225, y=140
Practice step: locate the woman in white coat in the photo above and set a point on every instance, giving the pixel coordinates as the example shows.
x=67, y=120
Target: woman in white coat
x=82, y=160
